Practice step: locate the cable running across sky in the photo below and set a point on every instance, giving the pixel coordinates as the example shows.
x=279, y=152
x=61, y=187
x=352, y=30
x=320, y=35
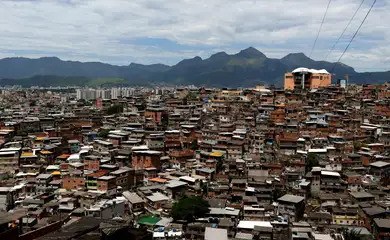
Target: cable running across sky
x=353, y=37
x=319, y=30
x=345, y=29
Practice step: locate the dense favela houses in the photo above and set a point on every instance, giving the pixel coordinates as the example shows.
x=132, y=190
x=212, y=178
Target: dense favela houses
x=308, y=161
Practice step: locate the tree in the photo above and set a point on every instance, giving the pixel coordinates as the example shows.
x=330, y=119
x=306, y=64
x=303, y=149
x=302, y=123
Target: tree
x=194, y=144
x=190, y=208
x=117, y=108
x=103, y=133
x=351, y=234
x=385, y=178
x=204, y=186
x=357, y=146
x=220, y=167
x=276, y=194
x=22, y=133
x=311, y=161
x=33, y=103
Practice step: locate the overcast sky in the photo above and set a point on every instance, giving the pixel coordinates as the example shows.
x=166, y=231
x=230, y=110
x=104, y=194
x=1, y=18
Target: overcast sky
x=166, y=31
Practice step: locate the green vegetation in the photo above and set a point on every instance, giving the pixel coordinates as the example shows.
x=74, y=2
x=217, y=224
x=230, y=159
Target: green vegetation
x=246, y=68
x=246, y=62
x=22, y=133
x=98, y=82
x=103, y=133
x=190, y=208
x=46, y=81
x=220, y=166
x=311, y=161
x=115, y=109
x=276, y=194
x=49, y=80
x=194, y=145
x=351, y=234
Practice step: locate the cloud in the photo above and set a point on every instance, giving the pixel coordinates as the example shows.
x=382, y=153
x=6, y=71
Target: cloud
x=150, y=31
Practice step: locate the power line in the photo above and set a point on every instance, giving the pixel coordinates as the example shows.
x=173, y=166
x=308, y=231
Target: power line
x=319, y=30
x=354, y=35
x=345, y=29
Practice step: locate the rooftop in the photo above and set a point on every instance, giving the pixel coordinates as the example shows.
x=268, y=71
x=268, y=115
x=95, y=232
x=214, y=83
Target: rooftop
x=291, y=198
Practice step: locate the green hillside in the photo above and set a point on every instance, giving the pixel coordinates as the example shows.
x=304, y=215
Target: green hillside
x=99, y=82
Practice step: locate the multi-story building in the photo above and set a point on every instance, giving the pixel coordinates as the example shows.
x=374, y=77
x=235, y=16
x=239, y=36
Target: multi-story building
x=304, y=78
x=103, y=94
x=291, y=207
x=115, y=93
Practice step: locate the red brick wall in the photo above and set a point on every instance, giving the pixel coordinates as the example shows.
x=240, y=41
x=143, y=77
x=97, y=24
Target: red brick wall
x=102, y=185
x=72, y=183
x=92, y=165
x=106, y=185
x=146, y=161
x=354, y=180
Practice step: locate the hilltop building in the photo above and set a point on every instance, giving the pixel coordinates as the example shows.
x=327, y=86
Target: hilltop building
x=303, y=78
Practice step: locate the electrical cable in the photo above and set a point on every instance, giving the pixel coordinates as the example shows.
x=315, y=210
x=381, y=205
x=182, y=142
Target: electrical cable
x=319, y=30
x=345, y=29
x=353, y=37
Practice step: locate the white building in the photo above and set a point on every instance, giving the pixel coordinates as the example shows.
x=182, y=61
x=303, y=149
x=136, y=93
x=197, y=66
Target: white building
x=87, y=94
x=79, y=94
x=115, y=93
x=103, y=93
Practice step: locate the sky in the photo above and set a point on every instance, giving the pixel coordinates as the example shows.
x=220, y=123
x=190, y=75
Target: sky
x=166, y=31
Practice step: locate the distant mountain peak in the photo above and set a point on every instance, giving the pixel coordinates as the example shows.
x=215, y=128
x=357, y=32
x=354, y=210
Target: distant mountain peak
x=50, y=58
x=245, y=68
x=296, y=57
x=251, y=52
x=197, y=58
x=190, y=60
x=219, y=54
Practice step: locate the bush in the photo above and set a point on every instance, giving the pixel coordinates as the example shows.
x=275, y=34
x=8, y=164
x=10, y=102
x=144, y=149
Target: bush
x=190, y=208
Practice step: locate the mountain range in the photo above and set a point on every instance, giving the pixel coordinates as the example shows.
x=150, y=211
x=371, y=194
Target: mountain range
x=249, y=67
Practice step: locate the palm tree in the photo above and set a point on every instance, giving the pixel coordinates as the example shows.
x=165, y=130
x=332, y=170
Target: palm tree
x=351, y=234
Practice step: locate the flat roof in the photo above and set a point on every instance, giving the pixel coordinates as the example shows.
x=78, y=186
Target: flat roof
x=175, y=183
x=148, y=152
x=379, y=164
x=43, y=176
x=224, y=211
x=156, y=197
x=105, y=178
x=291, y=198
x=328, y=173
x=119, y=171
x=252, y=224
x=132, y=197
x=73, y=230
x=361, y=195
x=9, y=217
x=382, y=222
x=318, y=150
x=187, y=178
x=215, y=234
